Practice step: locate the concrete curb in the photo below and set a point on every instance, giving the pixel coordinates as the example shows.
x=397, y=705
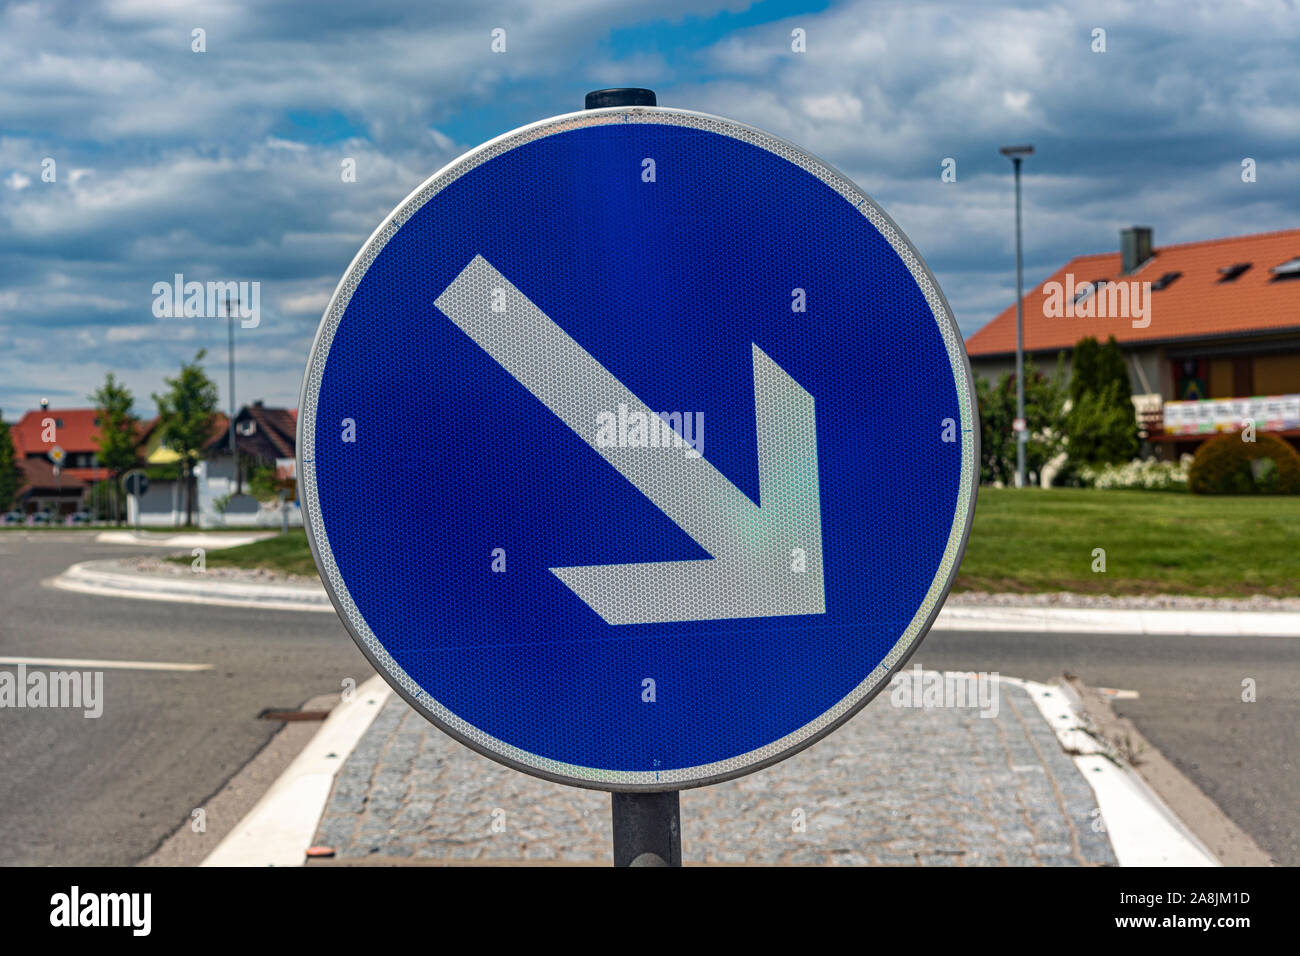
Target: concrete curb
x=279, y=828
x=189, y=539
x=1143, y=831
x=1059, y=620
x=107, y=578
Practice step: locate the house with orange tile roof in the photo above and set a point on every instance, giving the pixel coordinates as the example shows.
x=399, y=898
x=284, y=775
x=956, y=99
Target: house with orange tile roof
x=57, y=452
x=1211, y=331
x=263, y=437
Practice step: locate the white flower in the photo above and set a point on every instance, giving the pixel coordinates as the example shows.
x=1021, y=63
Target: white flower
x=1140, y=473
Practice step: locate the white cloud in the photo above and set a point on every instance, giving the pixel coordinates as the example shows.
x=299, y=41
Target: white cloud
x=1016, y=100
x=836, y=107
x=310, y=303
x=227, y=164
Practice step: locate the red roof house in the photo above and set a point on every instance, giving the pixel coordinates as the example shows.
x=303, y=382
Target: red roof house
x=1211, y=329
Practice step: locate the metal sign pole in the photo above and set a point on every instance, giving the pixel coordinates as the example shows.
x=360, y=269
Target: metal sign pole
x=135, y=483
x=647, y=826
x=1017, y=155
x=647, y=829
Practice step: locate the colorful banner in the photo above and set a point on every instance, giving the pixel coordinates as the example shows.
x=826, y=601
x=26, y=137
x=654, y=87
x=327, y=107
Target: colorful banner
x=1270, y=413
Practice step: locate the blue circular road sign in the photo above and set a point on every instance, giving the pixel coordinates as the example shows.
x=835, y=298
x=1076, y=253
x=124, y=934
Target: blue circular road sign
x=135, y=482
x=690, y=448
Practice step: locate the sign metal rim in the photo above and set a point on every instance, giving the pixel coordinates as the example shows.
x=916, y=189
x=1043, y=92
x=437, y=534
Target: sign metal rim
x=595, y=778
x=133, y=471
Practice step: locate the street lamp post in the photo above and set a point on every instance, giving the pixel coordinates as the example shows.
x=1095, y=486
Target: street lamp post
x=1017, y=154
x=230, y=344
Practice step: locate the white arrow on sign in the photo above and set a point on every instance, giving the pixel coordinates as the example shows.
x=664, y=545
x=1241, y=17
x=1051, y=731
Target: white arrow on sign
x=767, y=561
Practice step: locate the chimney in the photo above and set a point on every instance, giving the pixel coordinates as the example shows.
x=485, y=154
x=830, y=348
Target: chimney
x=1134, y=247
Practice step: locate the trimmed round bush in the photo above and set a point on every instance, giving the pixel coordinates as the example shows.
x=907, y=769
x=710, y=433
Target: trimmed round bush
x=1226, y=465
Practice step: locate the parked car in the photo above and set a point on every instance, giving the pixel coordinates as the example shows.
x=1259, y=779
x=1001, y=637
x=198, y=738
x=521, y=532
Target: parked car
x=80, y=517
x=39, y=517
x=12, y=517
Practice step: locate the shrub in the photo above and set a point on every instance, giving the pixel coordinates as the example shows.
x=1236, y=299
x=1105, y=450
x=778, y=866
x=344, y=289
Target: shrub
x=1149, y=475
x=1044, y=398
x=1101, y=423
x=1226, y=465
x=1103, y=428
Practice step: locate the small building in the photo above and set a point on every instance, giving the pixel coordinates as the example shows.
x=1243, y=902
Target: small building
x=45, y=489
x=264, y=437
x=164, y=504
x=41, y=436
x=1210, y=329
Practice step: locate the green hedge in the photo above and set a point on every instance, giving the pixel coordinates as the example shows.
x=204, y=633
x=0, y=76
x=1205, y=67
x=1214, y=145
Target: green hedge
x=1226, y=465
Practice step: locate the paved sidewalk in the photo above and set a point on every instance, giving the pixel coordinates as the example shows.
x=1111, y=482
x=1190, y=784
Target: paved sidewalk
x=900, y=786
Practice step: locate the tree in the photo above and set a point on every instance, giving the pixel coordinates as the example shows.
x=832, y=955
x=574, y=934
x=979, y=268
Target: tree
x=118, y=434
x=1097, y=366
x=187, y=411
x=9, y=474
x=262, y=482
x=1102, y=425
x=1044, y=415
x=997, y=407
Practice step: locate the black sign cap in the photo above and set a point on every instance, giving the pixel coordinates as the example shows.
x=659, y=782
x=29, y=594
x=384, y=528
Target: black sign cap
x=624, y=96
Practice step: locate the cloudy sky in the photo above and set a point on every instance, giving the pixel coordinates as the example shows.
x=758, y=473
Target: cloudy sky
x=225, y=164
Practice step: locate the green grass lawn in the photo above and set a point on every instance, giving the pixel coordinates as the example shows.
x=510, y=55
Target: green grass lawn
x=1036, y=540
x=287, y=553
x=1155, y=542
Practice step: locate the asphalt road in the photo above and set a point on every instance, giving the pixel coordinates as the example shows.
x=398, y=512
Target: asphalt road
x=107, y=791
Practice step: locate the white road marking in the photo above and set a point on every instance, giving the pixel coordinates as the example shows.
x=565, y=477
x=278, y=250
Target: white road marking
x=278, y=830
x=78, y=663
